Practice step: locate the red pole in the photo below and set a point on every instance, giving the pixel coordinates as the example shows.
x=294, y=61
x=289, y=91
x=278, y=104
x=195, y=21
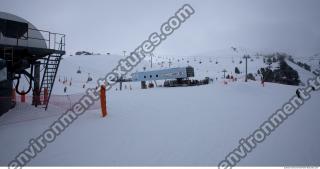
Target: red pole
x=45, y=95
x=103, y=101
x=23, y=97
x=14, y=97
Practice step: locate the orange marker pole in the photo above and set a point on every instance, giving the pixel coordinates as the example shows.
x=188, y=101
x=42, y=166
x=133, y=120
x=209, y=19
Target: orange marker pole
x=14, y=97
x=23, y=97
x=45, y=95
x=103, y=101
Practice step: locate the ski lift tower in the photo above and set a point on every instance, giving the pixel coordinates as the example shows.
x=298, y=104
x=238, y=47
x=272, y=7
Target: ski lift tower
x=246, y=57
x=25, y=49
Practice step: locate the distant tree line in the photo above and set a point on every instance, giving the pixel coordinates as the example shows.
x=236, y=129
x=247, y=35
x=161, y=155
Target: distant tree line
x=272, y=58
x=83, y=53
x=283, y=75
x=302, y=65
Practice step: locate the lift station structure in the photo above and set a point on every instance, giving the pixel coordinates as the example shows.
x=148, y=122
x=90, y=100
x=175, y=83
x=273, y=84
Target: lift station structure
x=29, y=52
x=178, y=73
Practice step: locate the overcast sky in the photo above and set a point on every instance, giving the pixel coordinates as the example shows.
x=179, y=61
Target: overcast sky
x=291, y=26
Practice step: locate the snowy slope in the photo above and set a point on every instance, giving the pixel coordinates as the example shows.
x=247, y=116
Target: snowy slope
x=157, y=127
x=99, y=65
x=186, y=126
x=95, y=66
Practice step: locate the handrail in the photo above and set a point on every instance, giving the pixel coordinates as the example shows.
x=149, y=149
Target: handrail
x=55, y=41
x=46, y=31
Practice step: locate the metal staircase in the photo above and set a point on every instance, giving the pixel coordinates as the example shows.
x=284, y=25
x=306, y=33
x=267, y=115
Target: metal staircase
x=8, y=54
x=36, y=50
x=51, y=63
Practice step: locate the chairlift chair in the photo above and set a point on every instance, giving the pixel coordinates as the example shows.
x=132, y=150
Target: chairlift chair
x=79, y=71
x=89, y=78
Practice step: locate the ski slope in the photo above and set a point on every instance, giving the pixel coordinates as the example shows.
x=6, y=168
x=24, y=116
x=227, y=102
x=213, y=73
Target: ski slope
x=187, y=126
x=97, y=66
x=158, y=127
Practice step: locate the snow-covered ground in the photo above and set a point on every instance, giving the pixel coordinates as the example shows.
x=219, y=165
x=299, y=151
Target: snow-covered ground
x=97, y=66
x=195, y=126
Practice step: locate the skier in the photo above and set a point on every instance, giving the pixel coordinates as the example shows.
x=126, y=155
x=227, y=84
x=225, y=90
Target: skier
x=262, y=81
x=65, y=89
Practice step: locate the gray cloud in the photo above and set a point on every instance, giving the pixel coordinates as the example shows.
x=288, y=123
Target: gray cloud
x=114, y=25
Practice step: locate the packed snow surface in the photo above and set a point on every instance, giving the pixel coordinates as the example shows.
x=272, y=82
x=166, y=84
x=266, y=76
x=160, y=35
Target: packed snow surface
x=187, y=126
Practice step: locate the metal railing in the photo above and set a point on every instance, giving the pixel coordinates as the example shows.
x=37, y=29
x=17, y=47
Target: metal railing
x=55, y=41
x=38, y=38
